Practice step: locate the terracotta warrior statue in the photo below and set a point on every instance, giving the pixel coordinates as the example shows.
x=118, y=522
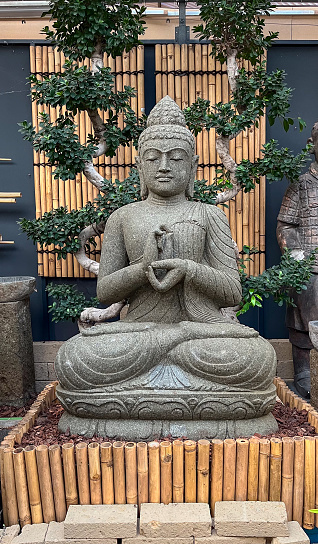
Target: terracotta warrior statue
x=297, y=229
x=174, y=365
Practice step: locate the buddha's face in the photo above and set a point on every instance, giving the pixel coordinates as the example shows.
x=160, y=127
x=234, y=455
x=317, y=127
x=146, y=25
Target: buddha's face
x=167, y=167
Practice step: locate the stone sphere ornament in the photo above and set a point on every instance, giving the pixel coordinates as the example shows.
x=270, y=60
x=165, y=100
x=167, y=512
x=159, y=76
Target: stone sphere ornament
x=174, y=365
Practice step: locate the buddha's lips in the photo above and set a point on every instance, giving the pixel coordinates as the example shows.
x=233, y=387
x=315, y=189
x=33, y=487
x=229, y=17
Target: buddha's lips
x=162, y=179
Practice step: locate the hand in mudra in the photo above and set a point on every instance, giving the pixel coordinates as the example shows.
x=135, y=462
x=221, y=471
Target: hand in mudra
x=176, y=270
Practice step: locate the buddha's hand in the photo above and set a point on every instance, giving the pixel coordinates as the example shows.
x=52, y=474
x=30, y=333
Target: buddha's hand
x=158, y=240
x=176, y=270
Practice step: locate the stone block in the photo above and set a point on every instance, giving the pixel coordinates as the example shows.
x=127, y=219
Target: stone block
x=55, y=535
x=51, y=371
x=176, y=520
x=32, y=534
x=283, y=349
x=41, y=371
x=216, y=539
x=39, y=385
x=248, y=518
x=101, y=521
x=296, y=535
x=9, y=533
x=45, y=352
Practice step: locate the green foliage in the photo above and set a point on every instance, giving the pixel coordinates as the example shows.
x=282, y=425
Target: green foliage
x=60, y=143
x=276, y=281
x=275, y=164
x=80, y=24
x=78, y=89
x=69, y=302
x=235, y=24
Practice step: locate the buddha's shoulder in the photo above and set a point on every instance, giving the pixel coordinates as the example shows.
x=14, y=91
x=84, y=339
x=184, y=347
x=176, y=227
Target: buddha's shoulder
x=215, y=212
x=127, y=210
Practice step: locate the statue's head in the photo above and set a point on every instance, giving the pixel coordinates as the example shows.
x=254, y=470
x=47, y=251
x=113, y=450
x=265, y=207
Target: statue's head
x=314, y=140
x=167, y=162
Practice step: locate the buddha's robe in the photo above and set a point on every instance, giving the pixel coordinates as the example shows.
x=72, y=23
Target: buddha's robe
x=182, y=328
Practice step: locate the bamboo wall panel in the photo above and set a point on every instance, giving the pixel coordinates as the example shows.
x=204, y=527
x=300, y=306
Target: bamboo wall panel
x=179, y=471
x=185, y=73
x=51, y=193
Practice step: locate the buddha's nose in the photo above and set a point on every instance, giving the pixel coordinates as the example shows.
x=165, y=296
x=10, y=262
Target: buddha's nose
x=164, y=164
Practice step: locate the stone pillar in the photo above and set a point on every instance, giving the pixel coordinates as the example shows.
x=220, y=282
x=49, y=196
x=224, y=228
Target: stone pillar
x=314, y=378
x=16, y=350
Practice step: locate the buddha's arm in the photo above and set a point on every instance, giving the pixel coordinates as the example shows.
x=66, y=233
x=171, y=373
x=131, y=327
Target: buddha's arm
x=218, y=279
x=117, y=280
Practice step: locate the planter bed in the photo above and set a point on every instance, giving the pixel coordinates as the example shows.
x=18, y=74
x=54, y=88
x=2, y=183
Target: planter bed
x=42, y=472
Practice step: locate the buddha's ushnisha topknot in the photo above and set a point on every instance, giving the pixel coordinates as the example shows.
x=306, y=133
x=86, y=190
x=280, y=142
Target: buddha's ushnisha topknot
x=166, y=112
x=166, y=121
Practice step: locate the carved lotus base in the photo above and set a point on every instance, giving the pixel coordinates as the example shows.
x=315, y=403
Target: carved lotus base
x=145, y=430
x=147, y=412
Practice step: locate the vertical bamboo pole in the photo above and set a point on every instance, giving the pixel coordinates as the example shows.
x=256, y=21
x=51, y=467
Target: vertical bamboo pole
x=198, y=94
x=141, y=79
x=3, y=489
x=119, y=473
x=242, y=447
x=316, y=497
x=177, y=66
x=170, y=66
x=253, y=461
x=309, y=482
x=205, y=95
x=191, y=74
x=158, y=57
x=216, y=472
x=21, y=487
x=229, y=469
x=288, y=475
x=212, y=91
x=12, y=505
x=142, y=467
x=166, y=472
x=154, y=472
x=133, y=83
x=126, y=82
x=184, y=77
x=131, y=473
x=69, y=474
x=275, y=470
x=82, y=473
x=203, y=473
x=178, y=471
x=190, y=484
x=164, y=68
x=42, y=459
x=95, y=480
x=106, y=452
x=33, y=484
x=57, y=482
x=262, y=202
x=263, y=475
x=298, y=488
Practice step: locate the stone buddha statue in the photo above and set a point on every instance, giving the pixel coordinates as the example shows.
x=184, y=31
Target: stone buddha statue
x=174, y=365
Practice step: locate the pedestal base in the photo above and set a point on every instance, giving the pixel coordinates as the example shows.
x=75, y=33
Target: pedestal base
x=138, y=429
x=16, y=362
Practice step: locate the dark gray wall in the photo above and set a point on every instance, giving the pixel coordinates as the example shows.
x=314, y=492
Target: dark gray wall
x=300, y=63
x=17, y=176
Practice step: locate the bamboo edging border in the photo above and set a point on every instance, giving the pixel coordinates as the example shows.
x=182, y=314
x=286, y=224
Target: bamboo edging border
x=39, y=483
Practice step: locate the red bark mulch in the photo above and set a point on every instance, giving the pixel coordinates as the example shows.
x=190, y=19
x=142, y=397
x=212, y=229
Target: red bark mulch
x=291, y=423
x=13, y=411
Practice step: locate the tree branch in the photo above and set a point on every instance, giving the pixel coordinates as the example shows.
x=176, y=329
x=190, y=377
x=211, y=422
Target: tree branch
x=89, y=232
x=222, y=147
x=232, y=68
x=90, y=171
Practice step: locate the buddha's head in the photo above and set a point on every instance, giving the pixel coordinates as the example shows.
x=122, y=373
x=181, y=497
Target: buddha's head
x=166, y=163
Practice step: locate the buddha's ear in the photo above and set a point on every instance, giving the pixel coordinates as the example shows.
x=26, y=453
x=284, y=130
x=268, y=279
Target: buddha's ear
x=143, y=186
x=194, y=166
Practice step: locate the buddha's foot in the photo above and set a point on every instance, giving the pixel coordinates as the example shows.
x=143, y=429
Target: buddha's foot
x=176, y=404
x=145, y=430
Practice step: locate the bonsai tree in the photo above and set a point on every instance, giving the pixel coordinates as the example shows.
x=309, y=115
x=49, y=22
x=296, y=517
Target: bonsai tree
x=88, y=28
